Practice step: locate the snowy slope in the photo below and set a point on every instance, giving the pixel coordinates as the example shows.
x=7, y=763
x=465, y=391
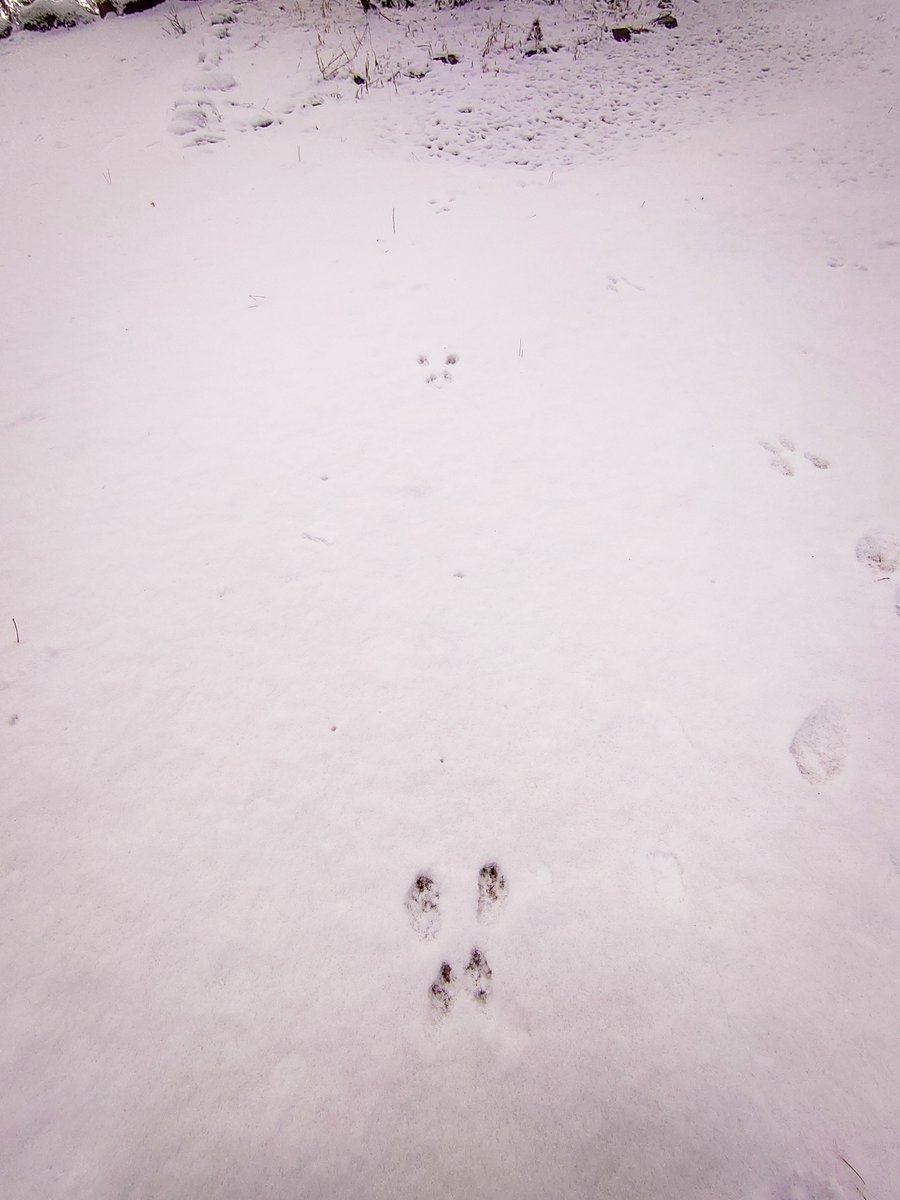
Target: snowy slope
x=376, y=508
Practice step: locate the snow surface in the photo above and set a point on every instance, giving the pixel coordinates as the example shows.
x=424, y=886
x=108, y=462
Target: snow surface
x=489, y=466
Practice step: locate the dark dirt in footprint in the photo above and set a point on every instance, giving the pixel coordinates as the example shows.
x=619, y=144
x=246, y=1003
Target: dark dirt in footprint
x=422, y=907
x=443, y=991
x=491, y=892
x=478, y=977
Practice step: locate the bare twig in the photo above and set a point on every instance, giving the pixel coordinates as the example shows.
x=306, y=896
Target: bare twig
x=18, y=640
x=853, y=1169
x=175, y=24
x=332, y=67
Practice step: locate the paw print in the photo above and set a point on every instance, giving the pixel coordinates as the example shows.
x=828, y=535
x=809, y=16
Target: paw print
x=478, y=977
x=422, y=904
x=422, y=907
x=442, y=375
x=782, y=461
x=443, y=991
x=491, y=892
x=616, y=283
x=880, y=552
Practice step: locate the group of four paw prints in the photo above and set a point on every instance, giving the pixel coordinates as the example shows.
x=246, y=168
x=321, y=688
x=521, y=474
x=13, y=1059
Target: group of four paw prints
x=423, y=908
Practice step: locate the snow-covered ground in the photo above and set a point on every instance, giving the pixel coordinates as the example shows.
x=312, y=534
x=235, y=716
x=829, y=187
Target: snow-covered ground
x=489, y=464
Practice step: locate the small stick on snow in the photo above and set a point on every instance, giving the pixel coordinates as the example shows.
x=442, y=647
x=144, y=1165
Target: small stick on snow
x=394, y=219
x=15, y=626
x=853, y=1169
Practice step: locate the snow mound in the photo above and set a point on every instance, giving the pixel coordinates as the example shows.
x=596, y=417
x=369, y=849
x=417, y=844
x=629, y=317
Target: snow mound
x=52, y=14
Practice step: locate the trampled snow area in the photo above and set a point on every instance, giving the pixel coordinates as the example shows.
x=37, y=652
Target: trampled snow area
x=449, y=637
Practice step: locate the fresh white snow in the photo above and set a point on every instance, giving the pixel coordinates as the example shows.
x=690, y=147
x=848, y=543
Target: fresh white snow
x=483, y=474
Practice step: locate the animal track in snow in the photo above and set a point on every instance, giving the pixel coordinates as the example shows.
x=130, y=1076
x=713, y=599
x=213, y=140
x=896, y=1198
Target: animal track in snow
x=438, y=375
x=195, y=117
x=211, y=80
x=442, y=206
x=443, y=991
x=220, y=21
x=819, y=747
x=491, y=892
x=478, y=977
x=422, y=907
x=782, y=461
x=321, y=538
x=615, y=283
x=879, y=552
x=668, y=877
x=822, y=464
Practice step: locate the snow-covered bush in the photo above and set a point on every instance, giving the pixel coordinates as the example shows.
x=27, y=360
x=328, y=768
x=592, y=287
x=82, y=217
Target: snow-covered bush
x=49, y=14
x=52, y=14
x=44, y=14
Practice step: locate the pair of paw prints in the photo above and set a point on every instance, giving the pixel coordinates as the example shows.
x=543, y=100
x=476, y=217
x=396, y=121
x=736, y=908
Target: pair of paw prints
x=782, y=459
x=476, y=981
x=434, y=375
x=423, y=907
